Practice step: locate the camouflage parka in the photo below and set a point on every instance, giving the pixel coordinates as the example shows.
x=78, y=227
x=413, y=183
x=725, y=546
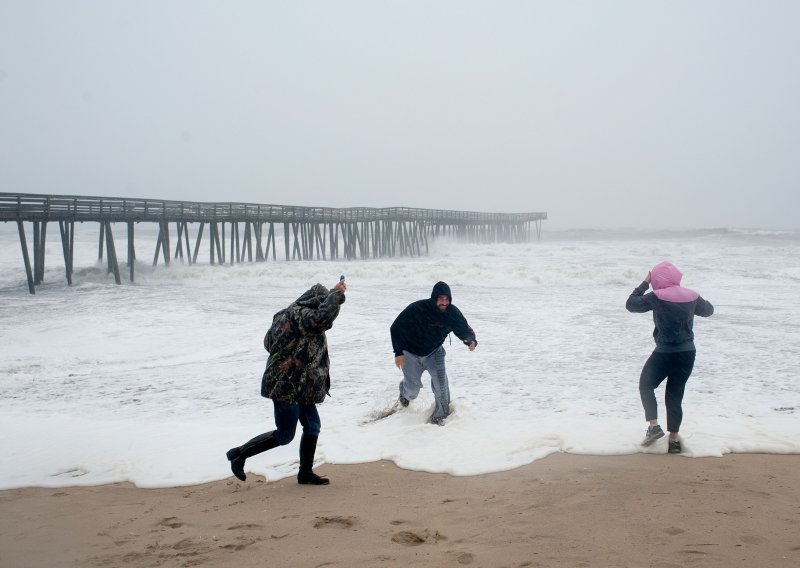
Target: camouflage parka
x=298, y=366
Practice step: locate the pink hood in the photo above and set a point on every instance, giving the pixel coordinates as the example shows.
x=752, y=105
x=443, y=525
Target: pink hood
x=666, y=279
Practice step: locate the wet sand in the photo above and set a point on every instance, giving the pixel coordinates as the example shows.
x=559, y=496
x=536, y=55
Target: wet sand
x=565, y=510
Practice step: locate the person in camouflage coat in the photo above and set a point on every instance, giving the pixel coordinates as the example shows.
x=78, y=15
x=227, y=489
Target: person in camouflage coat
x=297, y=378
x=298, y=366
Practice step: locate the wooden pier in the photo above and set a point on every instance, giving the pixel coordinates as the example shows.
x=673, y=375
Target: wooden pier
x=308, y=232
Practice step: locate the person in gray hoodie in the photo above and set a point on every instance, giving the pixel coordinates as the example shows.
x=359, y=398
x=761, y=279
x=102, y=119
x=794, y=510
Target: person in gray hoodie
x=673, y=310
x=417, y=337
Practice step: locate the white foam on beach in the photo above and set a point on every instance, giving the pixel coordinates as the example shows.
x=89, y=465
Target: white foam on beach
x=152, y=382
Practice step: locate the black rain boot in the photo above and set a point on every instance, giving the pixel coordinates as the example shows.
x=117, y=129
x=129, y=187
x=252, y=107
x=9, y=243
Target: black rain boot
x=308, y=446
x=260, y=443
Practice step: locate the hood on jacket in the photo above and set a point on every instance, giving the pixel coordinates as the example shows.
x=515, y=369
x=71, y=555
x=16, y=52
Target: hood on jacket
x=441, y=289
x=665, y=274
x=665, y=278
x=313, y=297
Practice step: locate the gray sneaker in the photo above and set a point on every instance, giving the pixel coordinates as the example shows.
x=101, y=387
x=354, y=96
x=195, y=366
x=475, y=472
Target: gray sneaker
x=674, y=447
x=653, y=433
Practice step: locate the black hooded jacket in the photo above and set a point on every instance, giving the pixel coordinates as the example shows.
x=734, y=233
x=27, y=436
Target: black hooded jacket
x=421, y=327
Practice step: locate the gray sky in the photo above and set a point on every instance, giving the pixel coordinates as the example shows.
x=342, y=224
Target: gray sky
x=604, y=114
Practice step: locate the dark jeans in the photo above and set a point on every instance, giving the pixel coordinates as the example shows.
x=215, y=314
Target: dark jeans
x=287, y=416
x=676, y=368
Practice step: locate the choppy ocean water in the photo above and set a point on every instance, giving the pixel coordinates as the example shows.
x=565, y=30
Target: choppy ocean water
x=152, y=382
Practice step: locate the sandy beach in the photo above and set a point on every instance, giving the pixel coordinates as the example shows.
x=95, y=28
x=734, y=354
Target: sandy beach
x=565, y=510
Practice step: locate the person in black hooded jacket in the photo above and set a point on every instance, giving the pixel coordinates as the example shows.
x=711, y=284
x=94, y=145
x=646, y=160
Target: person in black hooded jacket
x=417, y=337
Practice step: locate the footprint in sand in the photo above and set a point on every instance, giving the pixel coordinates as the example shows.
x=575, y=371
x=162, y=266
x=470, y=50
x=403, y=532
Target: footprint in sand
x=241, y=543
x=673, y=531
x=184, y=544
x=245, y=526
x=171, y=522
x=408, y=538
x=335, y=522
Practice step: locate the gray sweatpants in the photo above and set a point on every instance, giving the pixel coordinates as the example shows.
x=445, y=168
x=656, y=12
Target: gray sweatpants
x=412, y=379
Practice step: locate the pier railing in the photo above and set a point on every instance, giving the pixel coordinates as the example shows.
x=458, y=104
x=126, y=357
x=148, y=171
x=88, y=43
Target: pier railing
x=36, y=207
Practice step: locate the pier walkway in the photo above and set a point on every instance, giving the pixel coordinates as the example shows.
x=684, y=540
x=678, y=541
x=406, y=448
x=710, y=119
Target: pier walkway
x=308, y=232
